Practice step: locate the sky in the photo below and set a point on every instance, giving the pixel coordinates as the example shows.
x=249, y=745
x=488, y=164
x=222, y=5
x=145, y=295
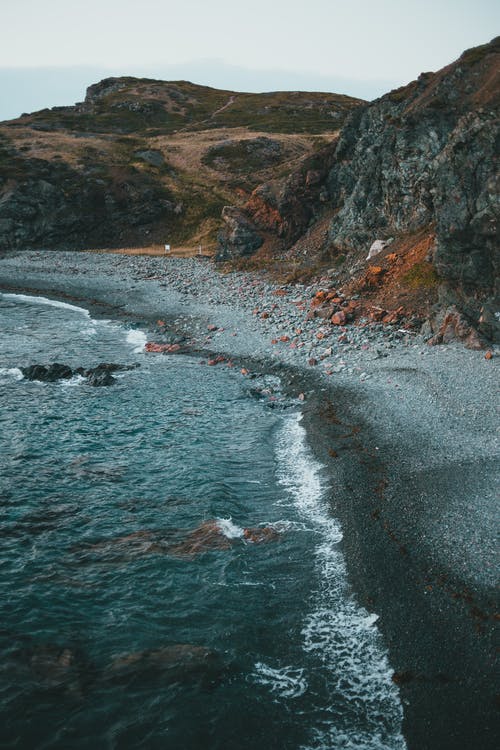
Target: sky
x=51, y=50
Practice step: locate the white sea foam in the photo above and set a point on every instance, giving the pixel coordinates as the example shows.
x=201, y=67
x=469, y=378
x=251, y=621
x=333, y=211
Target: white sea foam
x=229, y=529
x=338, y=632
x=46, y=301
x=11, y=372
x=72, y=382
x=138, y=339
x=286, y=682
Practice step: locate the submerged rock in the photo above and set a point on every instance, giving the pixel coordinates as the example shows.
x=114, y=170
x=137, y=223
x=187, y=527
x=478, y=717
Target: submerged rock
x=260, y=534
x=43, y=666
x=208, y=536
x=179, y=662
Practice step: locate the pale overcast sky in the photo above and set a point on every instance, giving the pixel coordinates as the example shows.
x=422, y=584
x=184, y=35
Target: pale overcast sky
x=50, y=50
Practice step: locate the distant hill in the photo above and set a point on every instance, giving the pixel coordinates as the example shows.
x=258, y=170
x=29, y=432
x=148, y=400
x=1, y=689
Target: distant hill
x=142, y=161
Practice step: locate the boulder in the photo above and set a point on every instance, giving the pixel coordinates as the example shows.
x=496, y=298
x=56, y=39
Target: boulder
x=239, y=237
x=377, y=247
x=339, y=318
x=455, y=327
x=47, y=373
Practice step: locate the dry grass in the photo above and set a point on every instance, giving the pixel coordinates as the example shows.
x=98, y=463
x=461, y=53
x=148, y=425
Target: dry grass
x=159, y=251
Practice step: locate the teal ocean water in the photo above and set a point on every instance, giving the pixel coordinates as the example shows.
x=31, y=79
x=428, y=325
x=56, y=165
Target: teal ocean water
x=170, y=574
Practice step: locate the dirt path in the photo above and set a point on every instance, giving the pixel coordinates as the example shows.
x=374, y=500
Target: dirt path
x=159, y=250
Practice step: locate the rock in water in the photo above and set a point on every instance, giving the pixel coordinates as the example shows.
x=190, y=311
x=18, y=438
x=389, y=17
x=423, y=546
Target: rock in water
x=98, y=378
x=208, y=536
x=47, y=373
x=177, y=663
x=261, y=534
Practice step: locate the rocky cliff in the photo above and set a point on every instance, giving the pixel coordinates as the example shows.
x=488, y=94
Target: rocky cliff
x=421, y=159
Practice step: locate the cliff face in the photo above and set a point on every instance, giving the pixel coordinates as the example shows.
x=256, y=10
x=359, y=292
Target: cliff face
x=421, y=158
x=50, y=205
x=424, y=156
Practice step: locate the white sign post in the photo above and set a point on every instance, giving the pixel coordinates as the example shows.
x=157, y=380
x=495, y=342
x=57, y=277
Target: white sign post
x=167, y=249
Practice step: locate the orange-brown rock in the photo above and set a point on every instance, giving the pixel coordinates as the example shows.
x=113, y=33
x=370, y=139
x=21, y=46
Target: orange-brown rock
x=258, y=535
x=339, y=318
x=455, y=327
x=489, y=354
x=377, y=314
x=208, y=536
x=161, y=348
x=263, y=214
x=318, y=299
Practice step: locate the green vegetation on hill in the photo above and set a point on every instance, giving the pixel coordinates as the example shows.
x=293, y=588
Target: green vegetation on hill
x=143, y=106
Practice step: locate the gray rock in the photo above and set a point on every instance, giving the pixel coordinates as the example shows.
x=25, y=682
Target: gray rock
x=239, y=237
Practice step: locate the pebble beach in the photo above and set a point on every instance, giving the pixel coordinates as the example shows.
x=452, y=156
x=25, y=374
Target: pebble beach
x=408, y=431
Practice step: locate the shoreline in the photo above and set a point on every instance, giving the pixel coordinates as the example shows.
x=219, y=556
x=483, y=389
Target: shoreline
x=410, y=450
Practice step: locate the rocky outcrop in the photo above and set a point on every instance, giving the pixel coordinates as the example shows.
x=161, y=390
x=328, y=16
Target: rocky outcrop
x=455, y=327
x=95, y=376
x=238, y=237
x=285, y=208
x=424, y=155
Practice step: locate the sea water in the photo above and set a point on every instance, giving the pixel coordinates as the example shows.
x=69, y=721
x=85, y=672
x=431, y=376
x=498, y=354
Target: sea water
x=117, y=632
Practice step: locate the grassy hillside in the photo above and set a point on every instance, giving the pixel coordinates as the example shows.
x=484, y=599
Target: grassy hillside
x=153, y=160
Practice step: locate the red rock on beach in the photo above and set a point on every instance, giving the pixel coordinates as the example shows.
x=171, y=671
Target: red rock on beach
x=161, y=348
x=339, y=318
x=216, y=360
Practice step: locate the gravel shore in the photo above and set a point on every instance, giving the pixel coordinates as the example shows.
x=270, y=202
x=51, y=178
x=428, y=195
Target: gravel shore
x=408, y=432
